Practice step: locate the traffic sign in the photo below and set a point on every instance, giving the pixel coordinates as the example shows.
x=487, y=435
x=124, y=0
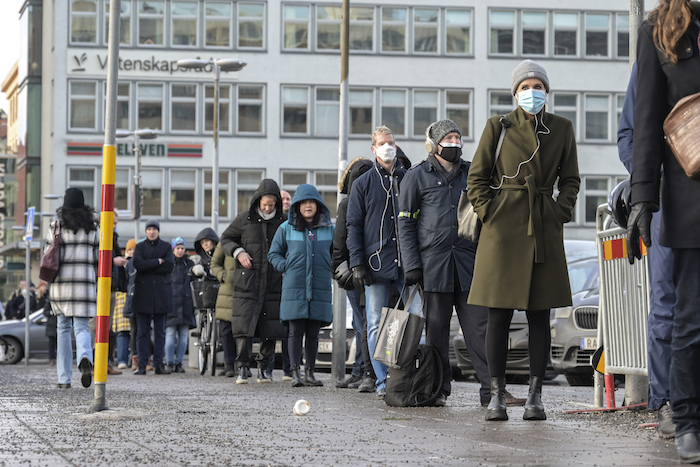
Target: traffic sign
x=30, y=225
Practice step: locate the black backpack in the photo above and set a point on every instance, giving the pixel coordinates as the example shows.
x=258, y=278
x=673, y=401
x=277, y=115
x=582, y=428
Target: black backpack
x=418, y=384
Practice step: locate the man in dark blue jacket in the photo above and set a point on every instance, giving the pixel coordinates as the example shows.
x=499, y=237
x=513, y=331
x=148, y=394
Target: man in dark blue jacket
x=663, y=294
x=373, y=240
x=435, y=256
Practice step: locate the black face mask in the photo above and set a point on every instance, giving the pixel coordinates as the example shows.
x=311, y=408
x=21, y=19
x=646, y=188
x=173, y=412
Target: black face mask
x=451, y=154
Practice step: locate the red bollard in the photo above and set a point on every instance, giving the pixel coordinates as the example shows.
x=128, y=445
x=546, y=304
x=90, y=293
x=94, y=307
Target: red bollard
x=610, y=391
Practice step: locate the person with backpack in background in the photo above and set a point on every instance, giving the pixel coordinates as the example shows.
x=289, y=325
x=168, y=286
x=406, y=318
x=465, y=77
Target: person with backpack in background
x=181, y=316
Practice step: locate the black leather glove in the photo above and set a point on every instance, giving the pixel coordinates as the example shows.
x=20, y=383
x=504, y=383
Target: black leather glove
x=413, y=277
x=639, y=224
x=359, y=277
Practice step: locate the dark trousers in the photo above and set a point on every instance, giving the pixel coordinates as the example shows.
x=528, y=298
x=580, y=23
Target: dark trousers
x=227, y=342
x=685, y=342
x=144, y=329
x=538, y=340
x=359, y=324
x=52, y=347
x=663, y=299
x=286, y=366
x=298, y=328
x=473, y=319
x=244, y=350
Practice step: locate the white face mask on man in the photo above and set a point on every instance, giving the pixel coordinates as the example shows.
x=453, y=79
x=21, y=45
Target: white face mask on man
x=386, y=152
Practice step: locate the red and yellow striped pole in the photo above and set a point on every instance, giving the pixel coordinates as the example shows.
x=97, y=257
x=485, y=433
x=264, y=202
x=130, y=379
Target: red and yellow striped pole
x=104, y=277
x=109, y=167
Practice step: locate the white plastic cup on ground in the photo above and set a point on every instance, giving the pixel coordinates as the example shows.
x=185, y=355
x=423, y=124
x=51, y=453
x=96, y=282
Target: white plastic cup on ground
x=301, y=407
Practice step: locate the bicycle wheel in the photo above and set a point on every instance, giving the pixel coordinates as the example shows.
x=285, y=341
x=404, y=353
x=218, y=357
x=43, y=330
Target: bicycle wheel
x=202, y=350
x=213, y=343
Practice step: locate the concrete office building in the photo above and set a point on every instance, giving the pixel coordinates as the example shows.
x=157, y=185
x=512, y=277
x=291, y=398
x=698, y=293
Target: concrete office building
x=411, y=63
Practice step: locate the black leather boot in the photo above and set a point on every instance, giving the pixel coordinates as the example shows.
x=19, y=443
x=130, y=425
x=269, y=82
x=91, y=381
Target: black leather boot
x=310, y=379
x=534, y=410
x=497, y=406
x=296, y=377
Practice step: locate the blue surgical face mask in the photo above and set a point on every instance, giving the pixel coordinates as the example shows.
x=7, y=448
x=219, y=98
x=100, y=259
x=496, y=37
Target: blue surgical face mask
x=531, y=100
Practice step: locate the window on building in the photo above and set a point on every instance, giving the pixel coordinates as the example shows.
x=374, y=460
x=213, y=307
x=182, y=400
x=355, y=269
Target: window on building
x=223, y=194
x=183, y=185
x=458, y=31
x=183, y=26
x=458, y=109
x=183, y=107
x=597, y=121
x=327, y=185
x=250, y=109
x=393, y=29
x=122, y=184
x=327, y=111
x=296, y=27
x=83, y=105
x=425, y=30
x=150, y=106
x=361, y=103
x=502, y=32
x=251, y=25
x=623, y=35
x=247, y=182
x=596, y=192
x=217, y=24
x=295, y=109
x=291, y=179
x=361, y=28
x=597, y=27
x=151, y=22
x=500, y=103
x=394, y=110
x=328, y=27
x=83, y=19
x=224, y=108
x=534, y=32
x=85, y=179
x=424, y=111
x=566, y=105
x=565, y=34
x=125, y=23
x=152, y=192
x=123, y=100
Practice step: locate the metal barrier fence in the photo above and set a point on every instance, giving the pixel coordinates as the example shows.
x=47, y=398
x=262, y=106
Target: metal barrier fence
x=624, y=300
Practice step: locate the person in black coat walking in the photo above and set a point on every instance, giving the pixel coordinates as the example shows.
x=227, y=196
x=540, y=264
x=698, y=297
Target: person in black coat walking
x=153, y=295
x=668, y=65
x=257, y=285
x=181, y=315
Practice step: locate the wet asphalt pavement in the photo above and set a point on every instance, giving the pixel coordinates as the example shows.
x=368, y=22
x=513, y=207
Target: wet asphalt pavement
x=188, y=419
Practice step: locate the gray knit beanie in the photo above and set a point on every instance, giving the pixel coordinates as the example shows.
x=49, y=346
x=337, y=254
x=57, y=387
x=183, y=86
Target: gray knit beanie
x=440, y=129
x=153, y=223
x=528, y=69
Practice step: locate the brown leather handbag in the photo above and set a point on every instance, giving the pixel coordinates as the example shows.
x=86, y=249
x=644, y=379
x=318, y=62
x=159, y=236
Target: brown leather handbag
x=51, y=261
x=682, y=129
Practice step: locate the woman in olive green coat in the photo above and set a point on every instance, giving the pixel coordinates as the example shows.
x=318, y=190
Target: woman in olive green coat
x=223, y=267
x=520, y=261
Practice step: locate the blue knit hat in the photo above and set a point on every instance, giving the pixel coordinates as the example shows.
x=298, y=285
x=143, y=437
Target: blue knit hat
x=178, y=241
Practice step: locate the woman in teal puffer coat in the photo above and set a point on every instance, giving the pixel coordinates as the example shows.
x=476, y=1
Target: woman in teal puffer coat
x=301, y=250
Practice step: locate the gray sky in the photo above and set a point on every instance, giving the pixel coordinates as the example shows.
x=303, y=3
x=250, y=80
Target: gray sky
x=9, y=53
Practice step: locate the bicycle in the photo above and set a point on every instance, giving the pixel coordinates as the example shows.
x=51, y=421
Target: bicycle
x=204, y=297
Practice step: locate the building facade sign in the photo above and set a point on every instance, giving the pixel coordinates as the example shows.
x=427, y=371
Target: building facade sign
x=135, y=63
x=126, y=149
x=3, y=210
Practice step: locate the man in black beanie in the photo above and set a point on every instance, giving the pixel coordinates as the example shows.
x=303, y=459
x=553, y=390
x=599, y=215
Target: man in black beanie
x=153, y=295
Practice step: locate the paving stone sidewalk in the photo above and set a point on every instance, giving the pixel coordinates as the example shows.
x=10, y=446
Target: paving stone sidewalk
x=190, y=420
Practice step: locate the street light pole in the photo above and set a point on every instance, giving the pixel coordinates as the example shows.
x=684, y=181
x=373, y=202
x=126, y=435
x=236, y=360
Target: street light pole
x=222, y=64
x=215, y=163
